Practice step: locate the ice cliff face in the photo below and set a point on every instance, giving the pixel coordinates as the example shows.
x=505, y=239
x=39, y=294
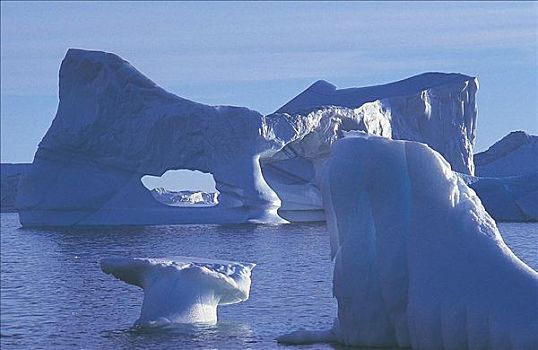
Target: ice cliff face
x=418, y=261
x=113, y=126
x=433, y=108
x=10, y=175
x=515, y=154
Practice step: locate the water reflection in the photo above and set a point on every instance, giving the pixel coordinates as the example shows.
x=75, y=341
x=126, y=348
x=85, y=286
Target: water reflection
x=237, y=335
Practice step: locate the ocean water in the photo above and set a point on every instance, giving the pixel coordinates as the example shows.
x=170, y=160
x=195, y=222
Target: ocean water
x=54, y=296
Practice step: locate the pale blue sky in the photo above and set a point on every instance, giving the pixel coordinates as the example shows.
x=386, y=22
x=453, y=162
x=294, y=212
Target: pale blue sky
x=260, y=55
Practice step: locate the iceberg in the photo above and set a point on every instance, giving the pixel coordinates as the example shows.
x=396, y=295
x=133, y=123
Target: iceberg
x=10, y=175
x=507, y=198
x=184, y=198
x=113, y=126
x=418, y=261
x=515, y=154
x=434, y=108
x=183, y=289
x=506, y=178
x=438, y=109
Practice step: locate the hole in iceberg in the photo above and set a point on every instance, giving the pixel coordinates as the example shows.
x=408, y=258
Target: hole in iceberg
x=183, y=188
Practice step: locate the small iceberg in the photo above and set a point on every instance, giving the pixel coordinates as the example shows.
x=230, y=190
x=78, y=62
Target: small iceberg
x=183, y=289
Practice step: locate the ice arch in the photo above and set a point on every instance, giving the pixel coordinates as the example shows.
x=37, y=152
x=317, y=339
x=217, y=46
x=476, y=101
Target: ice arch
x=181, y=180
x=113, y=126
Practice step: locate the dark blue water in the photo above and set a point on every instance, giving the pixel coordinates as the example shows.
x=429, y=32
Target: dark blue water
x=53, y=294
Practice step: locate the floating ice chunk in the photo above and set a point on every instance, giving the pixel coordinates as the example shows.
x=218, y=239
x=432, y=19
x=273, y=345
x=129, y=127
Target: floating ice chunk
x=183, y=289
x=418, y=261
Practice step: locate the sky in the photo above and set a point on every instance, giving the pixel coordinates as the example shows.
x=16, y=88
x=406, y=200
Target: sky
x=262, y=54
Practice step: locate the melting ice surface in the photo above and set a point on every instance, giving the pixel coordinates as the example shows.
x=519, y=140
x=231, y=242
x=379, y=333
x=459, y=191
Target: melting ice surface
x=55, y=295
x=418, y=261
x=182, y=289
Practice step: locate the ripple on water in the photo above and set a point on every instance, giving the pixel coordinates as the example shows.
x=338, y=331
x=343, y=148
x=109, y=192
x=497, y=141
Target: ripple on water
x=53, y=294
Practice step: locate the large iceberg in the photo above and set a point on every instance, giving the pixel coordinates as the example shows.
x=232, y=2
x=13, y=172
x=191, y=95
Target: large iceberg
x=418, y=261
x=435, y=108
x=114, y=126
x=183, y=289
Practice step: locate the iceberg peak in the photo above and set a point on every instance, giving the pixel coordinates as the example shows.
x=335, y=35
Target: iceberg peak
x=322, y=87
x=514, y=155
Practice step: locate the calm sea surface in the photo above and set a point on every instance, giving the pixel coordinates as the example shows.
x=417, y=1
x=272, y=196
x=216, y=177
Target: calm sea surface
x=54, y=296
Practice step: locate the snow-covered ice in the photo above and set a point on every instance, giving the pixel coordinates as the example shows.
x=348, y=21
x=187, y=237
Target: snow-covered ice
x=182, y=289
x=113, y=126
x=418, y=260
x=185, y=198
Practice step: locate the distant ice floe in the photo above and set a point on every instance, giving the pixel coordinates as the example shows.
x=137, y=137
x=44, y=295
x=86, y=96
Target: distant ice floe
x=516, y=154
x=10, y=175
x=185, y=198
x=182, y=289
x=506, y=178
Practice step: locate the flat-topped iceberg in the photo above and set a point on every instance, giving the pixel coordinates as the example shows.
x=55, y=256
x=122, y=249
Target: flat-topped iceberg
x=182, y=289
x=434, y=108
x=438, y=109
x=113, y=126
x=418, y=261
